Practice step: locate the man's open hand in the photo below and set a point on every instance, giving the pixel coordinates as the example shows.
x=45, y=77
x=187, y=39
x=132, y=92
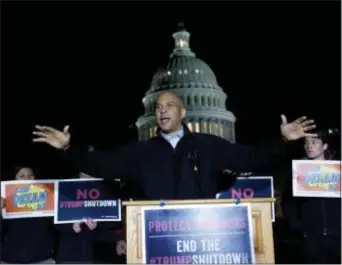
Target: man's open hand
x=57, y=139
x=297, y=129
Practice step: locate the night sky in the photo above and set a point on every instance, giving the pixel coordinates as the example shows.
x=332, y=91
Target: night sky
x=88, y=64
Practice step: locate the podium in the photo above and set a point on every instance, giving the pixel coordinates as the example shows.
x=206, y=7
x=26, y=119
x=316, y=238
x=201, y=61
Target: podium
x=261, y=216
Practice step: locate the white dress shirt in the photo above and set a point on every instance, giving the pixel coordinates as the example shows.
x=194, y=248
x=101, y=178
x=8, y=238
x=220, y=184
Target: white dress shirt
x=173, y=138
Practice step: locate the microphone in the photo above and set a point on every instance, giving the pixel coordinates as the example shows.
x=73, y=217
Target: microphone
x=193, y=157
x=194, y=161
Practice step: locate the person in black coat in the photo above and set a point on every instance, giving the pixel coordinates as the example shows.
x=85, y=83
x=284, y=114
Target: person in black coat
x=110, y=246
x=317, y=219
x=76, y=243
x=27, y=240
x=177, y=164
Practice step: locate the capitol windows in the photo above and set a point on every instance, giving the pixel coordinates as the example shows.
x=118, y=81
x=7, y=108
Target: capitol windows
x=221, y=130
x=197, y=127
x=205, y=127
x=181, y=43
x=215, y=128
x=202, y=100
x=151, y=132
x=184, y=100
x=209, y=101
x=188, y=101
x=190, y=126
x=210, y=125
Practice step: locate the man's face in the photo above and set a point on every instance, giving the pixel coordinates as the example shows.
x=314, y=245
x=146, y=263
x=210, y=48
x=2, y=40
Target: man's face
x=314, y=148
x=169, y=112
x=25, y=173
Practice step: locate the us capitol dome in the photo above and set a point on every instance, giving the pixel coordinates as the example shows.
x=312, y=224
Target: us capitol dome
x=192, y=80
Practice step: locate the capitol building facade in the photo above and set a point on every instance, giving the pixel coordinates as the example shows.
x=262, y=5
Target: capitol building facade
x=192, y=80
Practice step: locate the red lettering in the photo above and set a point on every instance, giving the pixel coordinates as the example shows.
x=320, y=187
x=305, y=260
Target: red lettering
x=170, y=226
x=157, y=223
x=94, y=194
x=150, y=226
x=164, y=226
x=236, y=193
x=84, y=194
x=242, y=223
x=248, y=193
x=81, y=194
x=181, y=260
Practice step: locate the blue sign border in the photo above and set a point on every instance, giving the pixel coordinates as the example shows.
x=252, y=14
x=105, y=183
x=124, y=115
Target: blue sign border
x=56, y=220
x=196, y=206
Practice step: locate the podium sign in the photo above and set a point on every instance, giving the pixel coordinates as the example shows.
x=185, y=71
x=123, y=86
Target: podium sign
x=204, y=233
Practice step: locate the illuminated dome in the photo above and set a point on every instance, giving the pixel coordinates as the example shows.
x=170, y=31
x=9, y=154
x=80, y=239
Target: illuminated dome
x=193, y=80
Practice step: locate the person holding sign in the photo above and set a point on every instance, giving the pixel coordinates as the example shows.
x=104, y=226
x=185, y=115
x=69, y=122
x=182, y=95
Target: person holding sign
x=27, y=240
x=318, y=219
x=71, y=236
x=177, y=164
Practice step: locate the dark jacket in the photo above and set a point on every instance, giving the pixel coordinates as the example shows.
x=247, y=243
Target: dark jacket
x=74, y=247
x=162, y=172
x=27, y=240
x=105, y=243
x=79, y=247
x=312, y=216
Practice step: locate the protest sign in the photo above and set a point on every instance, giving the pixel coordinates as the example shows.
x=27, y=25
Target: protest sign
x=28, y=198
x=316, y=178
x=190, y=234
x=249, y=188
x=77, y=199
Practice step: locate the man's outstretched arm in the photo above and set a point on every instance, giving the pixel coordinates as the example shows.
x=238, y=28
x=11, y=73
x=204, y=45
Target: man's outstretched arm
x=242, y=158
x=108, y=165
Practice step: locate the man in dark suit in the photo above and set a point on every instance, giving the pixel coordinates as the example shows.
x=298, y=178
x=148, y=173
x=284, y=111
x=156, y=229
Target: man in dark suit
x=177, y=164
